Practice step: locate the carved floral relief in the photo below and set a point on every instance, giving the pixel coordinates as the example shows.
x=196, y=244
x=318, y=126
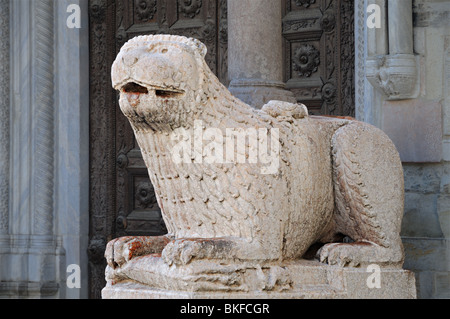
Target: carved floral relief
x=305, y=3
x=145, y=9
x=306, y=60
x=190, y=8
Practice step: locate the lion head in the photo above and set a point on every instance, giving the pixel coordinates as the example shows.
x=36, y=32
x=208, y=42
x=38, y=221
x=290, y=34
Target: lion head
x=160, y=79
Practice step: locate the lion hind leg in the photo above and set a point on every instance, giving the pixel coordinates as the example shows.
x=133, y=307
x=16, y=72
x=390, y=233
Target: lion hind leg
x=369, y=192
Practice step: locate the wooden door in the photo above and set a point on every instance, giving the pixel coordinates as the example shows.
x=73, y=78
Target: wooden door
x=319, y=54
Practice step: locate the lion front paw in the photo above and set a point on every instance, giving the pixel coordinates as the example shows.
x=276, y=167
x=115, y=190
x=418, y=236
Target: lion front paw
x=121, y=250
x=118, y=251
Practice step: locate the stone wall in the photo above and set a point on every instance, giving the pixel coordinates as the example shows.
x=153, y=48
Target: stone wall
x=419, y=125
x=426, y=227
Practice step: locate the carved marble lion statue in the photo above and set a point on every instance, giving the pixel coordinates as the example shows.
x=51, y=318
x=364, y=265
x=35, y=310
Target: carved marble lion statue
x=335, y=178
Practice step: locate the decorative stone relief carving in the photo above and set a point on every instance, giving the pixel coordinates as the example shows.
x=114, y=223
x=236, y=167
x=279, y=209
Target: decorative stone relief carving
x=102, y=163
x=229, y=222
x=395, y=73
x=306, y=60
x=360, y=59
x=43, y=187
x=97, y=10
x=4, y=117
x=316, y=26
x=305, y=3
x=328, y=21
x=145, y=9
x=145, y=194
x=34, y=242
x=329, y=92
x=190, y=8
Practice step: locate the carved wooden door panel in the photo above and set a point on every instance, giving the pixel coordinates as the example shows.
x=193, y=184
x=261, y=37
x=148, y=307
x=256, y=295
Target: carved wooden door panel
x=122, y=199
x=319, y=54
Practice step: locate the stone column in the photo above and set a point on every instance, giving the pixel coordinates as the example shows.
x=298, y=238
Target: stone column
x=4, y=120
x=44, y=117
x=35, y=259
x=72, y=140
x=377, y=38
x=255, y=57
x=400, y=27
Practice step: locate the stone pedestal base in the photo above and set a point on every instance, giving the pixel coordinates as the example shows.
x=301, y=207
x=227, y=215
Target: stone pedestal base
x=296, y=280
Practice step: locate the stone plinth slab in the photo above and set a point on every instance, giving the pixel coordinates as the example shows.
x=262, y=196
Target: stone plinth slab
x=296, y=280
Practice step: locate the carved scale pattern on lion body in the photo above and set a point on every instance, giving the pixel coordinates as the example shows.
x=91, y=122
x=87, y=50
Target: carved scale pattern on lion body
x=209, y=189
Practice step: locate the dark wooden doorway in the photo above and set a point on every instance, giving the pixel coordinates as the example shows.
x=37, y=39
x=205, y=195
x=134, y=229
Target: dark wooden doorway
x=319, y=57
x=319, y=67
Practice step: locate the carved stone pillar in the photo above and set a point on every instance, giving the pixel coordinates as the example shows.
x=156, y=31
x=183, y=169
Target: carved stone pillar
x=44, y=137
x=4, y=121
x=72, y=140
x=44, y=116
x=255, y=52
x=377, y=38
x=400, y=27
x=34, y=257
